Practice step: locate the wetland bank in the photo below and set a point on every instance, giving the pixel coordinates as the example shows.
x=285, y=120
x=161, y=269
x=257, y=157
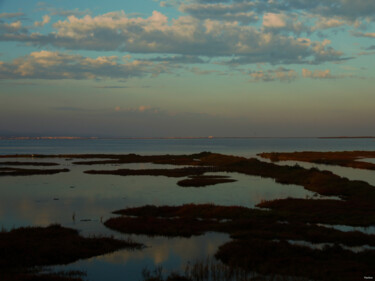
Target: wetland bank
x=191, y=216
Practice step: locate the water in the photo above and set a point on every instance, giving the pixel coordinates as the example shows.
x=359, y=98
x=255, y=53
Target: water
x=83, y=201
x=244, y=147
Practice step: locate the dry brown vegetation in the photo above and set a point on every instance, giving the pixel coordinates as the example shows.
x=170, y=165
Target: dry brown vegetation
x=199, y=181
x=174, y=173
x=10, y=171
x=33, y=275
x=18, y=163
x=210, y=270
x=23, y=249
x=342, y=158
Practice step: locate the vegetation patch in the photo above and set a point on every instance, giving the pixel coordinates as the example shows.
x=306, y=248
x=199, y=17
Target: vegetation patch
x=34, y=275
x=254, y=248
x=342, y=158
x=9, y=171
x=210, y=270
x=264, y=256
x=174, y=173
x=200, y=181
x=18, y=163
x=23, y=249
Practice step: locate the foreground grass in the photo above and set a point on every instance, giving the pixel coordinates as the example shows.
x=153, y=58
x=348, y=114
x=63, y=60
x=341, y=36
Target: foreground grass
x=209, y=270
x=37, y=276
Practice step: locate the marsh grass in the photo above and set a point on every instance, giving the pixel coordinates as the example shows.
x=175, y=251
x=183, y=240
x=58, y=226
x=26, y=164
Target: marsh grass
x=24, y=250
x=7, y=171
x=341, y=158
x=210, y=270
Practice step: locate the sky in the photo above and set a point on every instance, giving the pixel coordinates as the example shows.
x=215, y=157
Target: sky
x=187, y=68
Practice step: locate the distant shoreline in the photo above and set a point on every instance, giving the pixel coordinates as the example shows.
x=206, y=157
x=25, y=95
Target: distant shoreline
x=176, y=138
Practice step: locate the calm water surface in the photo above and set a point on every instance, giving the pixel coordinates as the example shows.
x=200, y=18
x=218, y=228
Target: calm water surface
x=83, y=201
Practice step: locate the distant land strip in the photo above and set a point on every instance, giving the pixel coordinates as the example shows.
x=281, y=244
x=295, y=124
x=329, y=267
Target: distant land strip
x=171, y=138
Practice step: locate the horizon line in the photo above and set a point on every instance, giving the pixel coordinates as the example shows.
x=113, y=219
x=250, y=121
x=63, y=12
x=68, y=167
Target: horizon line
x=185, y=137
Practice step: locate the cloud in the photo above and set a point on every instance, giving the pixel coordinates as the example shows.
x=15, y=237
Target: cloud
x=279, y=74
x=364, y=34
x=68, y=108
x=199, y=71
x=218, y=11
x=185, y=38
x=317, y=74
x=274, y=20
x=328, y=22
x=326, y=74
x=366, y=53
x=179, y=59
x=53, y=11
x=13, y=28
x=111, y=87
x=341, y=8
x=11, y=15
x=46, y=19
x=55, y=65
x=143, y=108
x=284, y=23
x=139, y=109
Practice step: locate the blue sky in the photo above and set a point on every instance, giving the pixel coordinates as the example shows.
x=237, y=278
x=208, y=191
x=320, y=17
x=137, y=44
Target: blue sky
x=154, y=68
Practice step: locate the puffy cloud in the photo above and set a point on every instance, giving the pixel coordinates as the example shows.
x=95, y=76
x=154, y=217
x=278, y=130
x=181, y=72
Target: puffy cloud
x=325, y=23
x=317, y=74
x=284, y=23
x=326, y=74
x=274, y=20
x=46, y=19
x=186, y=37
x=13, y=27
x=218, y=11
x=280, y=74
x=55, y=65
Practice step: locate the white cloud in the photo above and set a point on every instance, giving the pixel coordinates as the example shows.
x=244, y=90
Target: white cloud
x=13, y=27
x=274, y=20
x=43, y=65
x=184, y=36
x=46, y=19
x=279, y=74
x=328, y=22
x=317, y=74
